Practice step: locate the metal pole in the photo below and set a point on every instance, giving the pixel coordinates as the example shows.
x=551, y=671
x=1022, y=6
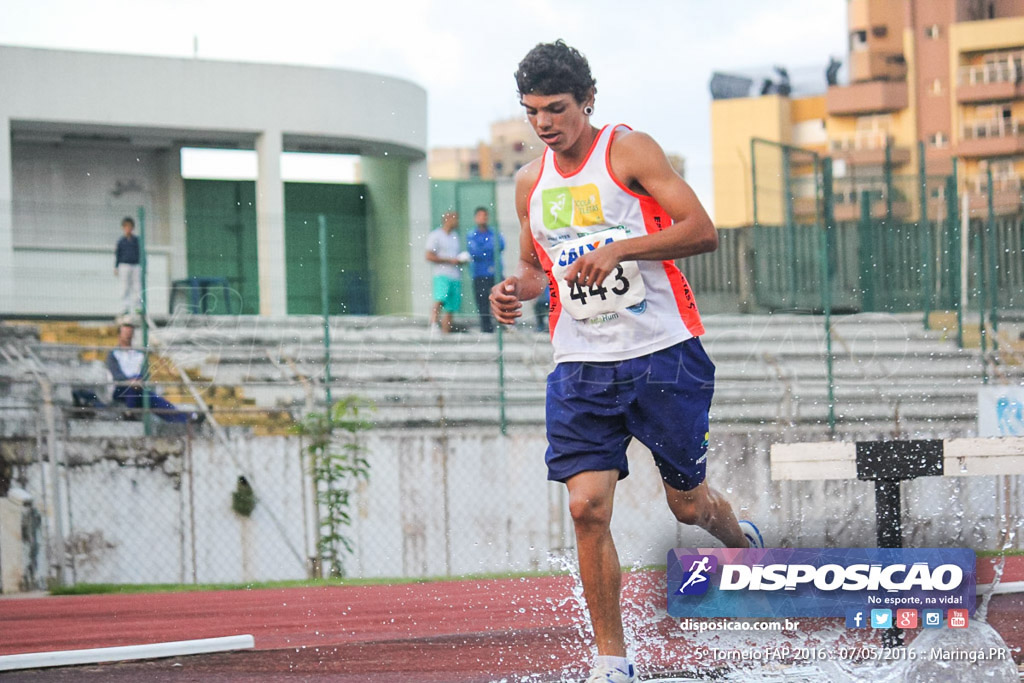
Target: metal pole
x=324, y=311
x=888, y=180
x=502, y=398
x=955, y=247
x=790, y=234
x=866, y=241
x=965, y=232
x=990, y=241
x=147, y=418
x=889, y=533
x=979, y=250
x=753, y=177
x=925, y=235
x=826, y=292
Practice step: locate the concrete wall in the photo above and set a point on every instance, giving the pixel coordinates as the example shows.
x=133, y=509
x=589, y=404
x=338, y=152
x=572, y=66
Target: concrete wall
x=449, y=502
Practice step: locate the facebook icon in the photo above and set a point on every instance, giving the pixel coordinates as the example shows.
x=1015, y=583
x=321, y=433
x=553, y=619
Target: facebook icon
x=855, y=618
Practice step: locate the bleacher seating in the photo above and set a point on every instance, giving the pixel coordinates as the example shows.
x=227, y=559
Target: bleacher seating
x=889, y=373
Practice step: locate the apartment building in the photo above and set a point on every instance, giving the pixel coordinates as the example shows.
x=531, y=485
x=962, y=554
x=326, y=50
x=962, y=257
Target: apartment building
x=512, y=145
x=945, y=73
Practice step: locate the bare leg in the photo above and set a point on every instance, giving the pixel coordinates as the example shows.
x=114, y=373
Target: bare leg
x=708, y=509
x=446, y=323
x=590, y=503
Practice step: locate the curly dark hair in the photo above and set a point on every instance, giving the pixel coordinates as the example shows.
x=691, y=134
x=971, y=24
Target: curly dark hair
x=555, y=68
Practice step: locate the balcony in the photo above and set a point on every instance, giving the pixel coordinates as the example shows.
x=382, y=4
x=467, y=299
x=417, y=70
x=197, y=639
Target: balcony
x=990, y=82
x=991, y=138
x=867, y=148
x=1006, y=195
x=869, y=97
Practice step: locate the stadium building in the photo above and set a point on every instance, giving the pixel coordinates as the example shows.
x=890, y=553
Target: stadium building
x=88, y=138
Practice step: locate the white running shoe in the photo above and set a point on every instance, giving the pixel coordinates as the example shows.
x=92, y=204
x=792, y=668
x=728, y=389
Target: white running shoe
x=604, y=674
x=752, y=533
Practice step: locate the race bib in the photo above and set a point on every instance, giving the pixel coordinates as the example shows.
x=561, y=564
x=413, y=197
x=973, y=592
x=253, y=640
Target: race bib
x=623, y=288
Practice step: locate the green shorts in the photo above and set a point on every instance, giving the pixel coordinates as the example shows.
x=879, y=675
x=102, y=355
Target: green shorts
x=448, y=292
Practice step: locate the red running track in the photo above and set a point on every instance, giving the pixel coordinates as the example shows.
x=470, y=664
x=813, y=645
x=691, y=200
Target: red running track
x=459, y=631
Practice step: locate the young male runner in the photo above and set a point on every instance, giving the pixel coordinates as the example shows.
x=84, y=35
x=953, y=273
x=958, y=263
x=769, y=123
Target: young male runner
x=603, y=217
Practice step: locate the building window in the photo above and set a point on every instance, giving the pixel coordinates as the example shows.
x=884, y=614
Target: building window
x=519, y=146
x=938, y=140
x=474, y=169
x=859, y=40
x=937, y=86
x=498, y=167
x=933, y=32
x=879, y=31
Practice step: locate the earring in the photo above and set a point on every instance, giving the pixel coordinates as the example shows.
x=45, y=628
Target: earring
x=588, y=110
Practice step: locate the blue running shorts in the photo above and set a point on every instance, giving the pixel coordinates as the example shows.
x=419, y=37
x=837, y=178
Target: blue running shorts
x=594, y=409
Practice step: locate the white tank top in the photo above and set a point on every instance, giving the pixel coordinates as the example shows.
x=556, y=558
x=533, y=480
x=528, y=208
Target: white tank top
x=643, y=307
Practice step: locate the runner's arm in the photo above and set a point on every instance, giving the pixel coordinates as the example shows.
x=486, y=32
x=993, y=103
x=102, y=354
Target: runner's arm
x=640, y=164
x=529, y=279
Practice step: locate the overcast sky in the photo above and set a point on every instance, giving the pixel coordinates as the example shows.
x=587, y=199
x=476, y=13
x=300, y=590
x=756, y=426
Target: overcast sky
x=652, y=60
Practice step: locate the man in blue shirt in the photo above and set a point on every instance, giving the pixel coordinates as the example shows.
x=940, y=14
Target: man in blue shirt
x=127, y=268
x=486, y=264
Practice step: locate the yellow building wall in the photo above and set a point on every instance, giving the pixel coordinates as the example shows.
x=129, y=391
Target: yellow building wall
x=733, y=124
x=807, y=108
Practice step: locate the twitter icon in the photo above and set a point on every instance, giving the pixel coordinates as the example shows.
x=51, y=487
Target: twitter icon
x=881, y=618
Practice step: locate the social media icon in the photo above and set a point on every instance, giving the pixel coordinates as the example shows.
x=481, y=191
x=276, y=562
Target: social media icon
x=957, y=618
x=881, y=618
x=856, y=618
x=906, y=618
x=932, y=618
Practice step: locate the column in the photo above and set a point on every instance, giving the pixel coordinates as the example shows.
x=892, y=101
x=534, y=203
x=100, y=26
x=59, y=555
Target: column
x=176, y=214
x=270, y=224
x=7, y=299
x=388, y=214
x=419, y=227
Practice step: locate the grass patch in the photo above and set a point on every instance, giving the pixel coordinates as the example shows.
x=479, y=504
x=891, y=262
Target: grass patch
x=999, y=553
x=132, y=588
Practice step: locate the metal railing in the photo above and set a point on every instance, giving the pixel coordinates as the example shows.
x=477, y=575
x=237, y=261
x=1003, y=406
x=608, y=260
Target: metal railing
x=861, y=140
x=992, y=128
x=1009, y=71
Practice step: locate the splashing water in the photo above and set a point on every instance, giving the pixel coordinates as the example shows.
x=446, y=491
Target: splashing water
x=658, y=646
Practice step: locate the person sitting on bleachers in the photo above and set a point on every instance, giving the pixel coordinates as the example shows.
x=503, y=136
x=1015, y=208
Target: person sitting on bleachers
x=127, y=366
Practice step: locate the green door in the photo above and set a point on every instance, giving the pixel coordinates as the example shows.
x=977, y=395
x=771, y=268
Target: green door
x=220, y=240
x=348, y=275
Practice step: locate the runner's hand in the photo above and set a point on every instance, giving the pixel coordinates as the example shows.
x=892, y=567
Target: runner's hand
x=505, y=303
x=592, y=268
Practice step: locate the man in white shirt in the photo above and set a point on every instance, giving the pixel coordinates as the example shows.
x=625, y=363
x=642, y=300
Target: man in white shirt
x=444, y=252
x=128, y=368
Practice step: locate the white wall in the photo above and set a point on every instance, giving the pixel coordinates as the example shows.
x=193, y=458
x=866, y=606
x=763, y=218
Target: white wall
x=71, y=196
x=82, y=281
x=449, y=502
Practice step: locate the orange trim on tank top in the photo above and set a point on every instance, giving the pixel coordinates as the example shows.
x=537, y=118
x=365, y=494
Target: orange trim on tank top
x=593, y=146
x=529, y=197
x=611, y=173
